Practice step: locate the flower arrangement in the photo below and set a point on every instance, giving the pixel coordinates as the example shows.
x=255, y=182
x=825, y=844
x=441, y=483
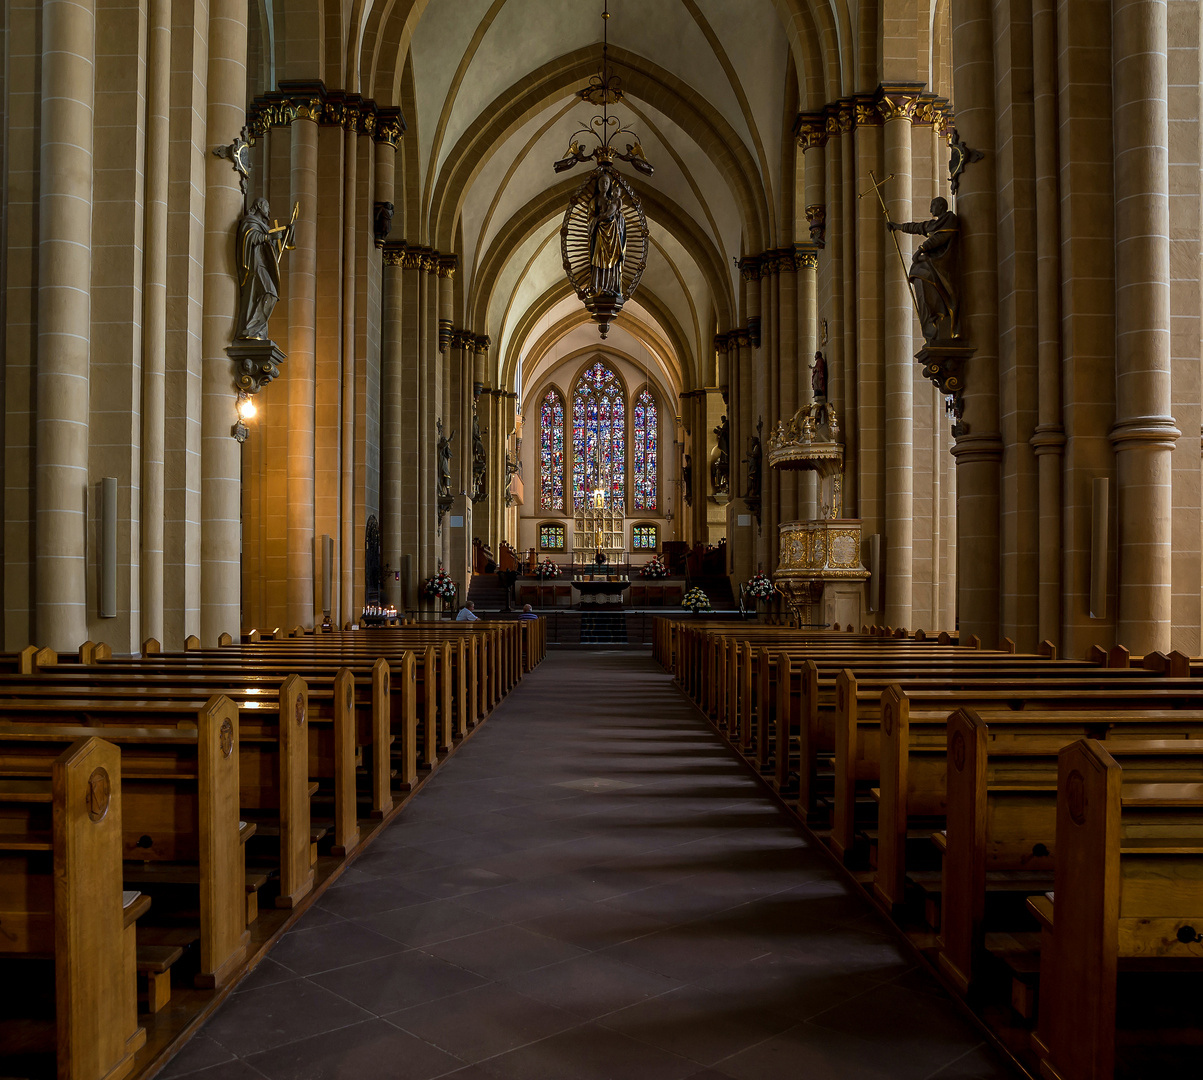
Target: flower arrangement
x=654, y=568
x=440, y=585
x=546, y=569
x=759, y=586
x=696, y=600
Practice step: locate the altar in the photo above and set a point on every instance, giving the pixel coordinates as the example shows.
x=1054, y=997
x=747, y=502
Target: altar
x=597, y=590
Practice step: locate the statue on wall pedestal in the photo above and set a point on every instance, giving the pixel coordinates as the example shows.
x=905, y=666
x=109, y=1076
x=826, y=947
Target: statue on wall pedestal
x=480, y=485
x=687, y=479
x=444, y=461
x=261, y=245
x=382, y=223
x=720, y=467
x=933, y=272
x=818, y=377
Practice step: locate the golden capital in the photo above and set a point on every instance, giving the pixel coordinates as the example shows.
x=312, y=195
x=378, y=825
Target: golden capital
x=810, y=129
x=898, y=101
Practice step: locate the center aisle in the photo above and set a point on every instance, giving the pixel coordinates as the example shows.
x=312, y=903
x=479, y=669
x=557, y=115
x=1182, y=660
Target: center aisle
x=591, y=888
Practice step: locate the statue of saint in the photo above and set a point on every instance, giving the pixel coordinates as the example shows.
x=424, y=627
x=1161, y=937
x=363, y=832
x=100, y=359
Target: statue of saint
x=754, y=467
x=479, y=479
x=687, y=479
x=818, y=377
x=261, y=245
x=444, y=461
x=720, y=468
x=383, y=222
x=607, y=236
x=933, y=273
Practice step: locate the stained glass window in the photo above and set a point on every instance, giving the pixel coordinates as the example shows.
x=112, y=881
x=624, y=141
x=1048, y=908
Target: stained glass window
x=643, y=437
x=599, y=438
x=551, y=467
x=643, y=537
x=551, y=537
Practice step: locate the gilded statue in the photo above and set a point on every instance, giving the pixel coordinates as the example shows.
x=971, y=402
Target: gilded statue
x=607, y=236
x=261, y=246
x=933, y=272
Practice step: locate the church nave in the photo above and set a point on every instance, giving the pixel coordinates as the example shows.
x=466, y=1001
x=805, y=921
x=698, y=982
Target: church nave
x=591, y=887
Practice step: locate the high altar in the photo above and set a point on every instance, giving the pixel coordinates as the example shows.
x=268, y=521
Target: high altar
x=819, y=571
x=598, y=527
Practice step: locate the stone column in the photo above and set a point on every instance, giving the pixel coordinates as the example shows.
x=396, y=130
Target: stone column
x=447, y=362
x=807, y=317
x=154, y=314
x=300, y=377
x=1048, y=440
x=221, y=530
x=427, y=435
x=896, y=105
x=793, y=376
x=64, y=323
x=347, y=561
x=842, y=218
x=1144, y=432
x=392, y=421
x=978, y=453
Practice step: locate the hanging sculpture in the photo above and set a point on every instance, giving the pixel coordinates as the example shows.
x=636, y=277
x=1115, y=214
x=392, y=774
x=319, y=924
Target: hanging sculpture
x=604, y=237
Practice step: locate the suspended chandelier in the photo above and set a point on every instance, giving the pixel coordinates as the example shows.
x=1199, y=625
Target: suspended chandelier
x=604, y=237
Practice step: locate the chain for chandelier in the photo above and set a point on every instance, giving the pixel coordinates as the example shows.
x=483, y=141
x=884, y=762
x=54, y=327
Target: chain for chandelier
x=603, y=91
x=604, y=237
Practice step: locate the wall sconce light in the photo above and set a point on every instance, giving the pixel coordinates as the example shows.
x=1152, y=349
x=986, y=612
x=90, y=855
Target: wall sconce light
x=245, y=407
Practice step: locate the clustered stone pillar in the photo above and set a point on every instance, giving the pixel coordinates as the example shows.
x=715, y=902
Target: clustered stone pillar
x=302, y=372
x=352, y=224
x=979, y=453
x=64, y=318
x=221, y=530
x=154, y=314
x=1144, y=432
x=896, y=105
x=807, y=501
x=393, y=450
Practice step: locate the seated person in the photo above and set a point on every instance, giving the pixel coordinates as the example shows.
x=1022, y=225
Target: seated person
x=527, y=613
x=467, y=613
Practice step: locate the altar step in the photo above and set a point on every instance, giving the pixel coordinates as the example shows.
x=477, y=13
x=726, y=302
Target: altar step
x=603, y=628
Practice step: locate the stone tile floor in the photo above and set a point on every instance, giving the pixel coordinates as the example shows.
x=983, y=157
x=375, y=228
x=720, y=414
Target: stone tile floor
x=591, y=888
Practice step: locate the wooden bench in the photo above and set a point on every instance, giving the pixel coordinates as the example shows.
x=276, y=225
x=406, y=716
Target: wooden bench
x=1000, y=830
x=914, y=747
x=1128, y=867
x=269, y=766
x=859, y=719
x=61, y=896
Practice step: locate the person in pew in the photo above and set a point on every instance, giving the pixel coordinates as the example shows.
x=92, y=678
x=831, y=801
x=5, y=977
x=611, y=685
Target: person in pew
x=467, y=613
x=527, y=613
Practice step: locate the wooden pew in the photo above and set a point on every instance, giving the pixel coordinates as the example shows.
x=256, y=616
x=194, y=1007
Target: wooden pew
x=914, y=748
x=332, y=717
x=1127, y=888
x=1001, y=820
x=61, y=896
x=859, y=718
x=271, y=765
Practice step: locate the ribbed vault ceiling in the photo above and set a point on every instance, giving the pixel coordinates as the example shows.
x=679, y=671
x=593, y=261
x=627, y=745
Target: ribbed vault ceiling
x=488, y=87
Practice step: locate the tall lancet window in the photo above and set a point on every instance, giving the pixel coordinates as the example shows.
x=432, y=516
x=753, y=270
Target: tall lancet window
x=599, y=438
x=643, y=435
x=551, y=465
